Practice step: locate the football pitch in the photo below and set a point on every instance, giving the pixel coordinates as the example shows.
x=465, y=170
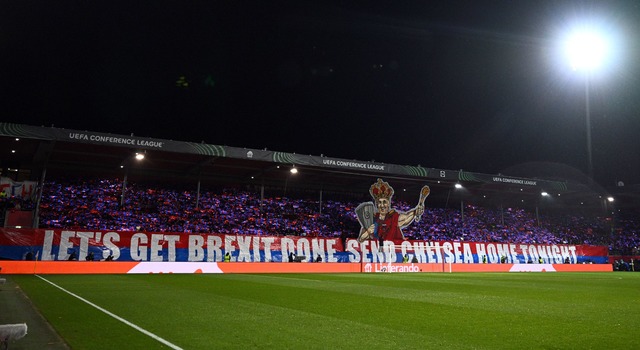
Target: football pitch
x=340, y=311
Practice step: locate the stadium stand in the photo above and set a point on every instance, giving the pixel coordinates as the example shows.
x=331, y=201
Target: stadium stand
x=91, y=181
x=95, y=205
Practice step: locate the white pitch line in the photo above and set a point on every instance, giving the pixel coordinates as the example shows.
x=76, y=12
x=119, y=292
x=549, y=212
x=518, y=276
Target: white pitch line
x=134, y=326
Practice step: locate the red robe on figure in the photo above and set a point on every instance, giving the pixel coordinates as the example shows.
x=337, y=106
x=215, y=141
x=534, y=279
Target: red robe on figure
x=388, y=229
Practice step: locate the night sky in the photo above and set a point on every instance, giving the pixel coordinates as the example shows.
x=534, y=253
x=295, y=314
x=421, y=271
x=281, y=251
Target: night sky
x=473, y=85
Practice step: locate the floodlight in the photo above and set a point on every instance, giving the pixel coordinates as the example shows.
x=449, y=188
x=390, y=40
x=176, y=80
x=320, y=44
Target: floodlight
x=294, y=170
x=139, y=156
x=458, y=186
x=586, y=49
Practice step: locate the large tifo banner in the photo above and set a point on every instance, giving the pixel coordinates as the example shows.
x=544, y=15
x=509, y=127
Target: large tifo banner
x=59, y=245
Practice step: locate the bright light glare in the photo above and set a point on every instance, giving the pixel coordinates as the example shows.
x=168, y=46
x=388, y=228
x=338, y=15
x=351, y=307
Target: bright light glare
x=610, y=199
x=294, y=170
x=139, y=156
x=586, y=50
x=545, y=194
x=458, y=186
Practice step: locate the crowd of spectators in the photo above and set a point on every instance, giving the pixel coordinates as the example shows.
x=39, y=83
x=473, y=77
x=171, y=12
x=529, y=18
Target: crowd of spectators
x=97, y=205
x=100, y=205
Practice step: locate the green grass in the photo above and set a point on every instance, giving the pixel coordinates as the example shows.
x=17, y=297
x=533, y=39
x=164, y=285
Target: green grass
x=345, y=311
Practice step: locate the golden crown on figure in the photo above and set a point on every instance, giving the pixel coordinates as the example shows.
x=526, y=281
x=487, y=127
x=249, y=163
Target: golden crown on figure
x=381, y=189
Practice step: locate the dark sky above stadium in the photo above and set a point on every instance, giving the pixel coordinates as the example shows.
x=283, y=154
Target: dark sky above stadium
x=474, y=85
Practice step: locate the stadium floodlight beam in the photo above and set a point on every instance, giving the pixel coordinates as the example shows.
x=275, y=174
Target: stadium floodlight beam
x=587, y=49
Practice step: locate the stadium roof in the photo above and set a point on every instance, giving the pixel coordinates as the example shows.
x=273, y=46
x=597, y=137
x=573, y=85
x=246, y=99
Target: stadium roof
x=33, y=152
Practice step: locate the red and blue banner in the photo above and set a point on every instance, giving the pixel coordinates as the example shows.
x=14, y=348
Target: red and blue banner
x=63, y=245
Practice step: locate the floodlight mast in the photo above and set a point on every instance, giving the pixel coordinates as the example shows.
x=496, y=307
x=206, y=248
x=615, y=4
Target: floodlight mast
x=586, y=50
